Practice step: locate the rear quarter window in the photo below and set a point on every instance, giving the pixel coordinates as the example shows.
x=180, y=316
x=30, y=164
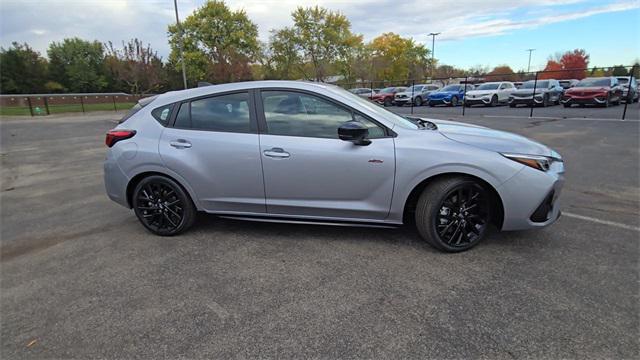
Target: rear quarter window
x=162, y=114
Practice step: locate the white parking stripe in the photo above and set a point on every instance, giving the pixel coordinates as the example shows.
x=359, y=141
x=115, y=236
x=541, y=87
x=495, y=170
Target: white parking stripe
x=557, y=118
x=600, y=221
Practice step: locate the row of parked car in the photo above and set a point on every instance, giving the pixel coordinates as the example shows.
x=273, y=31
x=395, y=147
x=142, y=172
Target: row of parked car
x=602, y=91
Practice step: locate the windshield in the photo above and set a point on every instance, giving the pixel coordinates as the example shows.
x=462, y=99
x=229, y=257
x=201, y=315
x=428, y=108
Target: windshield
x=451, y=88
x=388, y=90
x=623, y=81
x=594, y=82
x=416, y=88
x=396, y=119
x=531, y=84
x=488, y=86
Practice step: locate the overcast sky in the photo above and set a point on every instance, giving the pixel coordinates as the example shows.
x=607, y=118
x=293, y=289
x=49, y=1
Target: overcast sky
x=474, y=32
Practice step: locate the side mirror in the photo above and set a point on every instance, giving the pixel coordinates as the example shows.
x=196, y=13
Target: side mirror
x=355, y=132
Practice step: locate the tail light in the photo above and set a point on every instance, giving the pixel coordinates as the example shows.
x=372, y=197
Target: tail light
x=113, y=136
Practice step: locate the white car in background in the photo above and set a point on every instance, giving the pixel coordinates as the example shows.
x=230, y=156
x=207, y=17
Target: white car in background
x=490, y=94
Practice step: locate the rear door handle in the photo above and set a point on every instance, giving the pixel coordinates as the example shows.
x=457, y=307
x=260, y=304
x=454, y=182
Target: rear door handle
x=180, y=144
x=276, y=153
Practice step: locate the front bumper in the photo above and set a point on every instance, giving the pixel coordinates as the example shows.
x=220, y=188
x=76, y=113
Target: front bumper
x=585, y=100
x=530, y=198
x=526, y=100
x=485, y=100
x=440, y=101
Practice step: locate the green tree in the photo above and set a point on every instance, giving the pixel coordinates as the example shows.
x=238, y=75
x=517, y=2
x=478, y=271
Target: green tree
x=22, y=70
x=323, y=39
x=397, y=58
x=137, y=67
x=77, y=64
x=282, y=56
x=620, y=70
x=219, y=44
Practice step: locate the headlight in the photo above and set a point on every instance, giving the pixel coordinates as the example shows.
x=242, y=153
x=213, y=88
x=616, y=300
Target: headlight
x=541, y=163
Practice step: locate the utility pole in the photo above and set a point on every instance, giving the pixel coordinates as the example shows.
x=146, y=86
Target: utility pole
x=184, y=71
x=529, y=66
x=433, y=52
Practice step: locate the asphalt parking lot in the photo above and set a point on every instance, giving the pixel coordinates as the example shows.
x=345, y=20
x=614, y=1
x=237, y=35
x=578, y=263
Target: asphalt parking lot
x=80, y=278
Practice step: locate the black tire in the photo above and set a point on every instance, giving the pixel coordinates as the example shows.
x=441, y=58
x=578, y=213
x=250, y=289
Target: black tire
x=512, y=105
x=545, y=100
x=417, y=101
x=163, y=206
x=454, y=101
x=567, y=105
x=437, y=213
x=431, y=104
x=607, y=103
x=387, y=102
x=494, y=101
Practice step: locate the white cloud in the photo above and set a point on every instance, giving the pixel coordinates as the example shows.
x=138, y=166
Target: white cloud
x=39, y=23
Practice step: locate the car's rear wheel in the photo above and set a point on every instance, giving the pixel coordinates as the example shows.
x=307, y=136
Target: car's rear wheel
x=454, y=101
x=162, y=206
x=452, y=214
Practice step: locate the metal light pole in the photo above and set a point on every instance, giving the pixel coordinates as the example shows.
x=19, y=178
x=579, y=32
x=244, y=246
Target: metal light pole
x=181, y=44
x=529, y=66
x=433, y=52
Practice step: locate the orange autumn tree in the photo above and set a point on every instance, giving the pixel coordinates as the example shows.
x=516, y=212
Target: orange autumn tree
x=571, y=63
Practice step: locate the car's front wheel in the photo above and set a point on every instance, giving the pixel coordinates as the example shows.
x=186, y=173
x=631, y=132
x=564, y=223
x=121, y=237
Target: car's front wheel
x=454, y=101
x=387, y=102
x=162, y=206
x=452, y=214
x=418, y=101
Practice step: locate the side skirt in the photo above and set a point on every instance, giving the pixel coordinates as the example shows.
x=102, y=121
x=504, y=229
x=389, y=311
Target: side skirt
x=309, y=221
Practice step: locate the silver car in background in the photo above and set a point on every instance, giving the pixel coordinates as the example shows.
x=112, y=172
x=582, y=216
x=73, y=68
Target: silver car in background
x=416, y=94
x=298, y=152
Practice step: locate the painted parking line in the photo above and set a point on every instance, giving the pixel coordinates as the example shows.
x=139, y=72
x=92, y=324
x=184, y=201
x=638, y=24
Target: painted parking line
x=600, y=221
x=558, y=118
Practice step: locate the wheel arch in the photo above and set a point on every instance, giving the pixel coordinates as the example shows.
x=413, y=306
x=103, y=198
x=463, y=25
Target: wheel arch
x=497, y=217
x=135, y=180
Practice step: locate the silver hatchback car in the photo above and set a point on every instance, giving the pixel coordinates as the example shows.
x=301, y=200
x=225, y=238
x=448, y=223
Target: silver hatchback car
x=299, y=152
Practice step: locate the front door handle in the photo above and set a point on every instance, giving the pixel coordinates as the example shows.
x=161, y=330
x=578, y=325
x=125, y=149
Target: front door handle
x=276, y=153
x=180, y=144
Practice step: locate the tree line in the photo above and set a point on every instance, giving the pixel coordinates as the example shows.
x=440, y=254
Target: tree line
x=221, y=45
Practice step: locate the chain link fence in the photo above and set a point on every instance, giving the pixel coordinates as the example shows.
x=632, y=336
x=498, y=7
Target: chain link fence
x=46, y=104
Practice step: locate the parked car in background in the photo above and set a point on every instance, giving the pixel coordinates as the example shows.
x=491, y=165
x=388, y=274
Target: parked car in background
x=416, y=94
x=362, y=92
x=385, y=96
x=547, y=92
x=568, y=83
x=518, y=84
x=311, y=153
x=450, y=95
x=490, y=94
x=601, y=91
x=624, y=82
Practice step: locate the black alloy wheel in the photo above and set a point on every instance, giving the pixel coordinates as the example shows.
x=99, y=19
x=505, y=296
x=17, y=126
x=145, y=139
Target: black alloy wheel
x=545, y=100
x=162, y=206
x=454, y=101
x=453, y=214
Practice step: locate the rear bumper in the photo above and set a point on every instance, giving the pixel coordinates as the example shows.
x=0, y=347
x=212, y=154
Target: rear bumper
x=530, y=198
x=115, y=181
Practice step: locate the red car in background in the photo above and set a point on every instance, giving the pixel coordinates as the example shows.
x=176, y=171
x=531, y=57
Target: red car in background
x=386, y=95
x=602, y=91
